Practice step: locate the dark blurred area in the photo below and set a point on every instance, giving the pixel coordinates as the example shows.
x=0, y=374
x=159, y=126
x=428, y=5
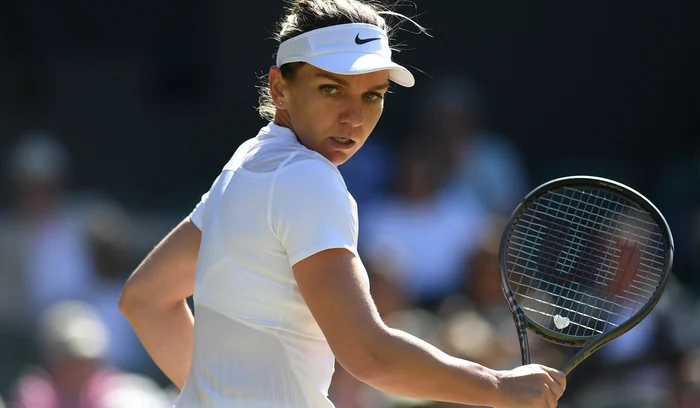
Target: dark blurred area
x=116, y=116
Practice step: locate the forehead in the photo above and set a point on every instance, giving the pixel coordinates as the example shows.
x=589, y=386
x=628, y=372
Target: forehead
x=309, y=72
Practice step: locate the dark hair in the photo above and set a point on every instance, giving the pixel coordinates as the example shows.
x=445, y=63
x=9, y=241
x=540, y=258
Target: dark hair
x=302, y=16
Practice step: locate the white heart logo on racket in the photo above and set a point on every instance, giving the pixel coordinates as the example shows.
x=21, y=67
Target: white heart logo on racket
x=561, y=322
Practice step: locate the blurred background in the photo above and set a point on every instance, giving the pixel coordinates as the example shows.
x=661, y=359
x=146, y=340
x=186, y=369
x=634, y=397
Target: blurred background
x=116, y=116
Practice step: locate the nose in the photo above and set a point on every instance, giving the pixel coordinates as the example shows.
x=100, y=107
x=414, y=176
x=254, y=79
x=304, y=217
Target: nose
x=353, y=114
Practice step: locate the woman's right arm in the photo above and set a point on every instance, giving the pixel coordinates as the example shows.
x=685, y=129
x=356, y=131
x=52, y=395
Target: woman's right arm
x=395, y=362
x=154, y=300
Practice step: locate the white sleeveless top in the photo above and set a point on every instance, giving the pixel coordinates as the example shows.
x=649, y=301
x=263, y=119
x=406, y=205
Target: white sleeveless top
x=256, y=342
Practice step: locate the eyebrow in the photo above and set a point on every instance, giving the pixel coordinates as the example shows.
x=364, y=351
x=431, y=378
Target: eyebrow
x=343, y=82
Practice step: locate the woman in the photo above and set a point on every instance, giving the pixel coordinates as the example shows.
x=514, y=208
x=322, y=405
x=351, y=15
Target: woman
x=270, y=251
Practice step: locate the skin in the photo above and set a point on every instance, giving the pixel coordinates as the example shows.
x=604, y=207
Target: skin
x=154, y=300
x=318, y=106
x=351, y=106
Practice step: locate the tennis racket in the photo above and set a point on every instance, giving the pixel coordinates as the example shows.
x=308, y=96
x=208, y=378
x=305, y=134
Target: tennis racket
x=583, y=260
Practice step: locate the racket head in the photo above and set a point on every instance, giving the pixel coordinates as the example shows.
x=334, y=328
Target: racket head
x=579, y=218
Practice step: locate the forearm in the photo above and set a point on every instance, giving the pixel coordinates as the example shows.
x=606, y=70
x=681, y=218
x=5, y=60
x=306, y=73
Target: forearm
x=413, y=368
x=168, y=337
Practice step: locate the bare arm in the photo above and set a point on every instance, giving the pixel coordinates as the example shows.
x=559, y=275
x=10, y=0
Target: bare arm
x=154, y=301
x=396, y=362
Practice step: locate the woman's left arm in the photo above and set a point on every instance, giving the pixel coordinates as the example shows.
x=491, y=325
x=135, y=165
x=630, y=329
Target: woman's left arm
x=154, y=300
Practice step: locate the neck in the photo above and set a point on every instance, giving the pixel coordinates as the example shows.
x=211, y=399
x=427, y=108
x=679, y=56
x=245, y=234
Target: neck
x=282, y=119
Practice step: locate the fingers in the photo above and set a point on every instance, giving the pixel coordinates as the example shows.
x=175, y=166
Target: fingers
x=535, y=386
x=550, y=398
x=555, y=382
x=555, y=391
x=557, y=376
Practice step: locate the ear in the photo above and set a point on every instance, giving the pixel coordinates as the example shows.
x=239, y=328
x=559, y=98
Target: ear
x=278, y=87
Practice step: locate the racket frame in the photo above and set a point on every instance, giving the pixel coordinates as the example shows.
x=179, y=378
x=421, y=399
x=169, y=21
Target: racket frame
x=588, y=345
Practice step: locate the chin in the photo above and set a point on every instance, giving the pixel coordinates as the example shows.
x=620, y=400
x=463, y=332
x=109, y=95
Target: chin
x=338, y=158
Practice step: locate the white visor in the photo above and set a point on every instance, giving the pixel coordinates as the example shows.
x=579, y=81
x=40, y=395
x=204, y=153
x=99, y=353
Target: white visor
x=345, y=49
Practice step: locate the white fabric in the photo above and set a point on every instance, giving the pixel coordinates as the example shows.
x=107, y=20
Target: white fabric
x=256, y=342
x=346, y=49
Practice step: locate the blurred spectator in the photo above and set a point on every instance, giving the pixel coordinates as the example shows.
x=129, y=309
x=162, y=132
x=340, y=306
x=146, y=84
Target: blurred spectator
x=134, y=391
x=452, y=116
x=109, y=233
x=418, y=238
x=368, y=174
x=637, y=369
x=688, y=387
x=73, y=341
x=43, y=256
x=478, y=321
x=642, y=361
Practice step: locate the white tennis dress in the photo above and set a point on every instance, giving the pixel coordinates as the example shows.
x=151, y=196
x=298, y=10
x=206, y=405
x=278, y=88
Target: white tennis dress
x=256, y=343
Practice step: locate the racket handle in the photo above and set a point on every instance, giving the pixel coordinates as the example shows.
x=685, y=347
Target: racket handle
x=526, y=356
x=520, y=326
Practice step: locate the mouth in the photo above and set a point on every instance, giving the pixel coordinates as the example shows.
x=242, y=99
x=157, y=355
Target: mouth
x=342, y=143
x=343, y=140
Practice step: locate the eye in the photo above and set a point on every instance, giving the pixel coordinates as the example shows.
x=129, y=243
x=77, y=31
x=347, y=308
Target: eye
x=374, y=96
x=329, y=89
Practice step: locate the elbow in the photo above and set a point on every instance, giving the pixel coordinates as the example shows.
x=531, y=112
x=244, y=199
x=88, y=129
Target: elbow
x=137, y=298
x=126, y=301
x=370, y=362
x=366, y=369
x=131, y=299
x=373, y=374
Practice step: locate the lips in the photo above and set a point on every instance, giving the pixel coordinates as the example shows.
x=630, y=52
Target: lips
x=342, y=143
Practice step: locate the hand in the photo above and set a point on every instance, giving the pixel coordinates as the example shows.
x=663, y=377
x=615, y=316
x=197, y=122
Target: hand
x=530, y=386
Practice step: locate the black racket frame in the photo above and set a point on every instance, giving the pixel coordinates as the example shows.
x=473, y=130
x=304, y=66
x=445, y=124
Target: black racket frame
x=590, y=345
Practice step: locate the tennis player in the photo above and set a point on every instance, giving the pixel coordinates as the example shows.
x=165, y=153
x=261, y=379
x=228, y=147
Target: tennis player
x=270, y=251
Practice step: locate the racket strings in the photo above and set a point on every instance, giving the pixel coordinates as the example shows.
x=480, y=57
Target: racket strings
x=608, y=255
x=647, y=222
x=589, y=258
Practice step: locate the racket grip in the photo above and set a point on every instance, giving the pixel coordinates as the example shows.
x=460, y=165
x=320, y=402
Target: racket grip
x=521, y=328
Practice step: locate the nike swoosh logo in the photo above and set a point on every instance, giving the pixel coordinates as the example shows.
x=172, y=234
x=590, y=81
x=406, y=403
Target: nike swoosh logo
x=360, y=41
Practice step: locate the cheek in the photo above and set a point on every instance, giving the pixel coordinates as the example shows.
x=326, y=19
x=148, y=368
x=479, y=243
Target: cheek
x=309, y=124
x=375, y=113
x=311, y=106
x=372, y=115
x=374, y=110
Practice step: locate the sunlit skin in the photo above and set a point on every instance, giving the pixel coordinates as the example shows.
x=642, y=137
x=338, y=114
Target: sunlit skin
x=319, y=106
